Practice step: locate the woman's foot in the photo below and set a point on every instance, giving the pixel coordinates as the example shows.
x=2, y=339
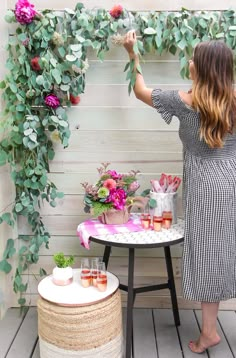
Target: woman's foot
x=203, y=343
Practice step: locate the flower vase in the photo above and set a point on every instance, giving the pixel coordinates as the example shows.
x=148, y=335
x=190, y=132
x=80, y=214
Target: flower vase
x=62, y=276
x=115, y=217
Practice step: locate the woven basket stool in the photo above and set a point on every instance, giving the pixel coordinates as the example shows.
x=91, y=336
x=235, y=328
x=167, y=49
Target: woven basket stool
x=91, y=331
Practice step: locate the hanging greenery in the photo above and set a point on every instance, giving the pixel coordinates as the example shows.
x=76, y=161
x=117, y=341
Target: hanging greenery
x=47, y=63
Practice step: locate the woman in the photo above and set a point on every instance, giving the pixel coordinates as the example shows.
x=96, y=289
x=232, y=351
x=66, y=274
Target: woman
x=207, y=117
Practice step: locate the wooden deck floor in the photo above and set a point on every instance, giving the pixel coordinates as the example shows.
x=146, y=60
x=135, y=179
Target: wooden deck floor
x=155, y=335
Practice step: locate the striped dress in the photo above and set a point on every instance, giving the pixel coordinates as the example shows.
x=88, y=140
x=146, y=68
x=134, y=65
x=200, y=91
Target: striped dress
x=209, y=196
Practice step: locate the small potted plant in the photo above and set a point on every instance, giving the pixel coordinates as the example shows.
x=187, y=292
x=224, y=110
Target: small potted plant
x=62, y=274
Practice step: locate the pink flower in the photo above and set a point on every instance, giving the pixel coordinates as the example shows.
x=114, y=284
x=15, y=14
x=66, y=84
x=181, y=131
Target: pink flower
x=24, y=12
x=51, y=100
x=109, y=184
x=133, y=186
x=117, y=197
x=116, y=11
x=114, y=174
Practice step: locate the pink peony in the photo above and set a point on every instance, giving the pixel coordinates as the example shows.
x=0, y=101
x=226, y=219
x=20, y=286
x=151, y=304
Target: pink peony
x=114, y=174
x=109, y=184
x=118, y=198
x=116, y=11
x=24, y=12
x=51, y=100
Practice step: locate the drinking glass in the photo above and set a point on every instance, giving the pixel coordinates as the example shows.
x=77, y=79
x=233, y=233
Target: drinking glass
x=94, y=270
x=167, y=212
x=102, y=277
x=85, y=274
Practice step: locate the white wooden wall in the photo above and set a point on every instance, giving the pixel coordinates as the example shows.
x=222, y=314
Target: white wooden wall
x=116, y=128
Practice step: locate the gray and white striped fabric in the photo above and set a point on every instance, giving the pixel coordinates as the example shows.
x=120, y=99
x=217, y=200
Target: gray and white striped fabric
x=209, y=184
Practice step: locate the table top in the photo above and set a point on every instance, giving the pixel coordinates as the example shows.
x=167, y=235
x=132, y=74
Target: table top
x=144, y=239
x=75, y=294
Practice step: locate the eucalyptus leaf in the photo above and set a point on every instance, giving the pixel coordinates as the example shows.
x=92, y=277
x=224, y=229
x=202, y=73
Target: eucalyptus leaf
x=149, y=31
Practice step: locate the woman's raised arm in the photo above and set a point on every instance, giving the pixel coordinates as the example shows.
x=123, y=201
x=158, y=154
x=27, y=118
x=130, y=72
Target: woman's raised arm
x=142, y=92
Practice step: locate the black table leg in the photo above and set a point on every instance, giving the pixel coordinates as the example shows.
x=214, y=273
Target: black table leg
x=172, y=285
x=130, y=303
x=106, y=255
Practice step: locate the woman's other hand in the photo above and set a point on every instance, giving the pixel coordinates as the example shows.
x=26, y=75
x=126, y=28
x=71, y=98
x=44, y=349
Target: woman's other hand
x=129, y=41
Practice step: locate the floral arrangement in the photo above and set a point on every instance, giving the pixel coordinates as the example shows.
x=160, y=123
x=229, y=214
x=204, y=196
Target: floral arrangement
x=111, y=191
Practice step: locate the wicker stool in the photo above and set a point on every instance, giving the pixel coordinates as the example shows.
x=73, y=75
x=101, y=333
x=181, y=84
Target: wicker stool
x=88, y=331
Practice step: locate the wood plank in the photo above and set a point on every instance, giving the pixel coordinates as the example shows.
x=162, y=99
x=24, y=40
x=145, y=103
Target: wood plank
x=144, y=341
x=9, y=327
x=117, y=95
x=188, y=330
x=222, y=349
x=112, y=72
x=166, y=334
x=26, y=338
x=114, y=140
x=85, y=118
x=148, y=162
x=227, y=320
x=140, y=5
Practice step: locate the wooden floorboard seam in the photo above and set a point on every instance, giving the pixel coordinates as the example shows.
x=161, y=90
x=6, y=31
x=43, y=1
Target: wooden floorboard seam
x=155, y=332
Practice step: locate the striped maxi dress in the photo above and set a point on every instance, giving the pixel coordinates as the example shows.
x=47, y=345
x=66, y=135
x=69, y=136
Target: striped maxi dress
x=209, y=198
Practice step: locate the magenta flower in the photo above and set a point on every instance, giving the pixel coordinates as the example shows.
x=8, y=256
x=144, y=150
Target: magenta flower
x=24, y=12
x=118, y=198
x=51, y=100
x=114, y=174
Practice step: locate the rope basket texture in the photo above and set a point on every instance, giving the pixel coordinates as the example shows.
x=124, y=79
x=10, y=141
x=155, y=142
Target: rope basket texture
x=81, y=329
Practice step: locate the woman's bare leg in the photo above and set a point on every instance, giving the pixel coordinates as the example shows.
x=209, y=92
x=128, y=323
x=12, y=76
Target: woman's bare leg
x=209, y=336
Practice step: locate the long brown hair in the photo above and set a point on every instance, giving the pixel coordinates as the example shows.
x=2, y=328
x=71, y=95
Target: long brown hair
x=213, y=92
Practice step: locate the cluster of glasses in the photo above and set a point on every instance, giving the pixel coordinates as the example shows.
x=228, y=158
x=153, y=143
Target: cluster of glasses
x=156, y=222
x=93, y=273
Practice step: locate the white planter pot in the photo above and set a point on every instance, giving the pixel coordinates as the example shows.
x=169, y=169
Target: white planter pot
x=62, y=276
x=165, y=201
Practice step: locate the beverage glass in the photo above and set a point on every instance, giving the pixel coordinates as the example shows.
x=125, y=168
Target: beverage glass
x=167, y=219
x=94, y=270
x=145, y=220
x=102, y=277
x=157, y=223
x=85, y=274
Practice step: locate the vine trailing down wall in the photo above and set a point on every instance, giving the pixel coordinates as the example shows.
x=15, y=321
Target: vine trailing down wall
x=46, y=65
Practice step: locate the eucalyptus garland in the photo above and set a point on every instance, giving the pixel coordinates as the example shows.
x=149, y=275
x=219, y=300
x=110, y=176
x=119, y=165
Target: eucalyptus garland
x=47, y=63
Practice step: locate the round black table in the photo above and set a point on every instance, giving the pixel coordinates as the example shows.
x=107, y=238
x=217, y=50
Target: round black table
x=144, y=239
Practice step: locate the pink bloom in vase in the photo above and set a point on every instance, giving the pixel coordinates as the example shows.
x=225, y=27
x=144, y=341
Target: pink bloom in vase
x=109, y=184
x=52, y=101
x=116, y=11
x=114, y=174
x=118, y=198
x=24, y=12
x=133, y=187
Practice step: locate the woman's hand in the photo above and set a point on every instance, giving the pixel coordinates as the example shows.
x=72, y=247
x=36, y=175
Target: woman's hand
x=129, y=41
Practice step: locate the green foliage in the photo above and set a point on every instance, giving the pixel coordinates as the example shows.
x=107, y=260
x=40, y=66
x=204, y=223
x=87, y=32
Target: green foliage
x=28, y=125
x=61, y=261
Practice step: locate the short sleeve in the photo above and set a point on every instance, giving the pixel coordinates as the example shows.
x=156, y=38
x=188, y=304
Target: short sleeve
x=165, y=103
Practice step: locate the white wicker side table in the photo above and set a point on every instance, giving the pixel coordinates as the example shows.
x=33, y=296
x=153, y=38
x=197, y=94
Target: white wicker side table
x=79, y=322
